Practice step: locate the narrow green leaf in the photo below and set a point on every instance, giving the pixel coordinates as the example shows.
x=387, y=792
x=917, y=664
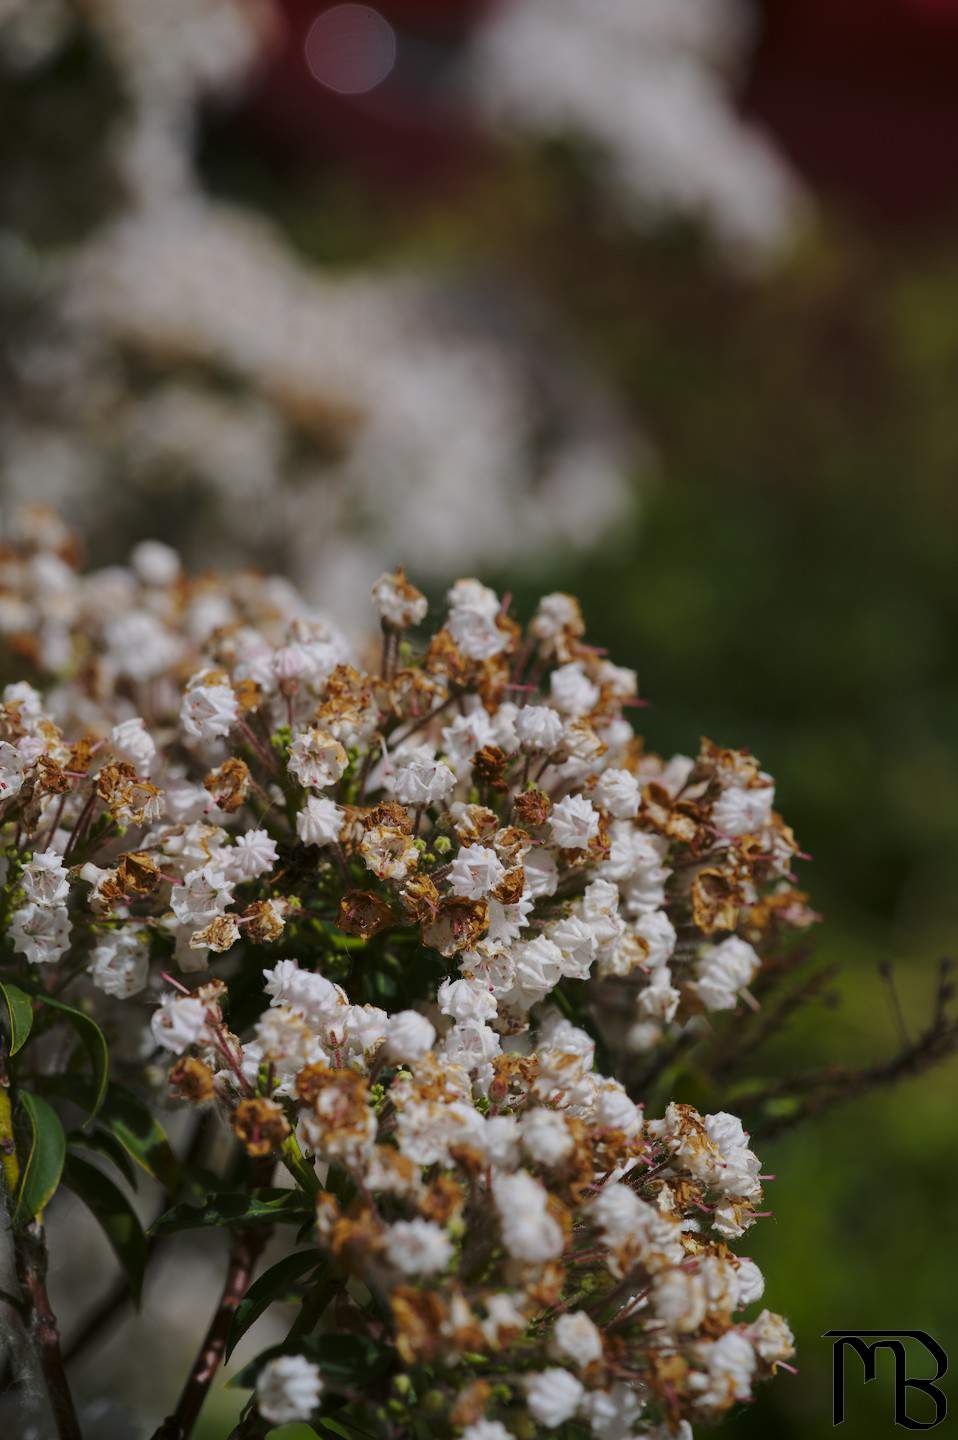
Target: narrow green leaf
x=103, y=1142
x=41, y=1171
x=94, y=1042
x=127, y=1117
x=259, y=1207
x=272, y=1285
x=115, y=1213
x=19, y=1014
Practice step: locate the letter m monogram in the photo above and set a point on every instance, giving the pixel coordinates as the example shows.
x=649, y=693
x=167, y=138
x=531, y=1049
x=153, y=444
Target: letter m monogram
x=890, y=1340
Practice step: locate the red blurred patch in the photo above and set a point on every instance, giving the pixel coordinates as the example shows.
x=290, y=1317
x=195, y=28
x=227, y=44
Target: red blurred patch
x=863, y=98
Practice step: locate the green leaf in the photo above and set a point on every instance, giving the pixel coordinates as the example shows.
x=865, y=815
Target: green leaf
x=127, y=1117
x=141, y=1135
x=94, y=1043
x=115, y=1214
x=272, y=1285
x=352, y=1361
x=40, y=1174
x=19, y=1014
x=259, y=1207
x=103, y=1142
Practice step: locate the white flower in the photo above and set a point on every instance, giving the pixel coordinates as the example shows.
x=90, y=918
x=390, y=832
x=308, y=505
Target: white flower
x=556, y=614
x=487, y=1430
x=500, y=1141
x=131, y=742
x=750, y=1283
x=541, y=873
x=617, y=1212
x=538, y=967
x=40, y=932
x=574, y=822
x=24, y=698
x=119, y=965
x=678, y=1298
x=320, y=822
x=572, y=691
x=771, y=1337
x=730, y=1362
x=723, y=970
x=304, y=990
x=475, y=871
x=472, y=620
x=366, y=1027
x=740, y=810
x=576, y=940
x=178, y=1023
x=658, y=932
x=399, y=603
x=660, y=999
x=612, y=1413
x=208, y=710
x=288, y=1389
x=615, y=1110
x=11, y=771
x=140, y=646
x=418, y=778
x=467, y=734
x=576, y=1338
x=317, y=759
x=545, y=1136
x=418, y=1247
x=466, y=1000
x=618, y=792
x=552, y=1397
x=155, y=563
x=409, y=1036
x=254, y=854
x=529, y=1231
x=473, y=1044
x=539, y=728
x=45, y=880
x=204, y=894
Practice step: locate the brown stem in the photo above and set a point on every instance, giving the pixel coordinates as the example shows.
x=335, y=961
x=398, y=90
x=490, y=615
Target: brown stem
x=245, y=1250
x=30, y=1252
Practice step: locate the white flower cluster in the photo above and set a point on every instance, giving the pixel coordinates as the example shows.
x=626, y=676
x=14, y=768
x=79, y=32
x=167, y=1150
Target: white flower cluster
x=358, y=400
x=421, y=863
x=648, y=86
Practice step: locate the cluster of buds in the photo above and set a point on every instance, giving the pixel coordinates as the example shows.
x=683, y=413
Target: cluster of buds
x=424, y=866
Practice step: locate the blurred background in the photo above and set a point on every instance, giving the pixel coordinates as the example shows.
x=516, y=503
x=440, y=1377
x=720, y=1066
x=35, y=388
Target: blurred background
x=655, y=301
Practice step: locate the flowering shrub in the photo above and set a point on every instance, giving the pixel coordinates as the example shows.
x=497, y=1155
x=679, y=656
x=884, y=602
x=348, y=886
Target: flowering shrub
x=364, y=915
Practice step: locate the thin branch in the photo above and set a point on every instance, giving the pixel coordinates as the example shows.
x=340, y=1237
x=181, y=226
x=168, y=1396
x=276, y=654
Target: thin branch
x=245, y=1249
x=30, y=1252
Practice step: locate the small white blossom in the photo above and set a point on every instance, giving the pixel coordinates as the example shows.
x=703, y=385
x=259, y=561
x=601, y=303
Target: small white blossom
x=553, y=1397
x=178, y=1023
x=572, y=691
x=576, y=1339
x=11, y=771
x=119, y=965
x=409, y=1036
x=418, y=1247
x=44, y=880
x=40, y=932
x=208, y=711
x=132, y=742
x=317, y=759
x=539, y=729
x=545, y=1136
x=288, y=1389
x=320, y=822
x=574, y=822
x=618, y=792
x=475, y=871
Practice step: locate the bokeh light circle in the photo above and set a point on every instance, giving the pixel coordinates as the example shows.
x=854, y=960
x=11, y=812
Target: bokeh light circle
x=350, y=49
